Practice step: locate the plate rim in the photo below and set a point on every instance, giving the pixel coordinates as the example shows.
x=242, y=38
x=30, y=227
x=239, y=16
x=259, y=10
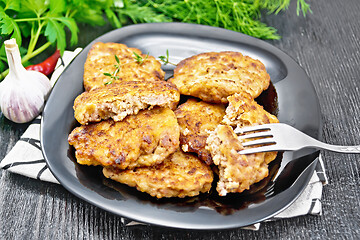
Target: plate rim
x=200, y=28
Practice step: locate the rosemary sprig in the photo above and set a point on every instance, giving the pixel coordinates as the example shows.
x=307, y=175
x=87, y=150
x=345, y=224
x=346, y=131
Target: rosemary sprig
x=165, y=59
x=114, y=76
x=139, y=59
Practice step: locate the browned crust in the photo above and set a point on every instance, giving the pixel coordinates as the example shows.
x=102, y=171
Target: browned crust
x=244, y=111
x=101, y=59
x=142, y=140
x=118, y=100
x=180, y=175
x=213, y=76
x=196, y=119
x=237, y=172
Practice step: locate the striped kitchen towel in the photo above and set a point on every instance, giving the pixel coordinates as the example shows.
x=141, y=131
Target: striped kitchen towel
x=26, y=158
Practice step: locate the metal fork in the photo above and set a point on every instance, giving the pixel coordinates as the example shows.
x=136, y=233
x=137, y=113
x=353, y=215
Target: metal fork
x=283, y=137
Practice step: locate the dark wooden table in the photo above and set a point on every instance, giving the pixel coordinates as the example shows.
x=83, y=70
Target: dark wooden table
x=327, y=45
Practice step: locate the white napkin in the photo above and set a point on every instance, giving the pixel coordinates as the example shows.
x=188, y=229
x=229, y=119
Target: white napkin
x=26, y=158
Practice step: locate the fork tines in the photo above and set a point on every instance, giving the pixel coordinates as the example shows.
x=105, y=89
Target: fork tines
x=242, y=130
x=259, y=137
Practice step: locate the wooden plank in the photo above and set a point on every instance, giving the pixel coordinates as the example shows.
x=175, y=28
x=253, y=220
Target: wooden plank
x=326, y=44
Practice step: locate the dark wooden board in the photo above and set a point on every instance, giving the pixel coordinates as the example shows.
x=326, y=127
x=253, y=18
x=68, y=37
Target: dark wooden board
x=326, y=44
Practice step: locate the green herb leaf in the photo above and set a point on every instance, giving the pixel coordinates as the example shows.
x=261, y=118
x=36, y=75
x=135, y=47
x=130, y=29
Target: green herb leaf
x=55, y=32
x=9, y=26
x=131, y=11
x=117, y=70
x=139, y=59
x=2, y=13
x=90, y=16
x=303, y=6
x=57, y=6
x=113, y=19
x=12, y=4
x=117, y=59
x=71, y=25
x=165, y=59
x=2, y=65
x=36, y=6
x=25, y=29
x=2, y=52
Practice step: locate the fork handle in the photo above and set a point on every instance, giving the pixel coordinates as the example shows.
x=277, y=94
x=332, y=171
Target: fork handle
x=336, y=148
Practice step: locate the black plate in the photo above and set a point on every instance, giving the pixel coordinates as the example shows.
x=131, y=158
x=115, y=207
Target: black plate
x=297, y=105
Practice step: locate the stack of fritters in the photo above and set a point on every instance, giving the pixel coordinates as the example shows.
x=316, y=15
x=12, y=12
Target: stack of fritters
x=130, y=129
x=206, y=128
x=133, y=128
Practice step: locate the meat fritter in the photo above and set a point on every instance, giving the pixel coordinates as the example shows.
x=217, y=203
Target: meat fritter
x=196, y=119
x=237, y=172
x=244, y=111
x=118, y=100
x=101, y=59
x=180, y=175
x=139, y=140
x=214, y=76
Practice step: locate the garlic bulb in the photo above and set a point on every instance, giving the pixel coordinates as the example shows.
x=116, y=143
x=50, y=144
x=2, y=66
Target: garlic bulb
x=22, y=92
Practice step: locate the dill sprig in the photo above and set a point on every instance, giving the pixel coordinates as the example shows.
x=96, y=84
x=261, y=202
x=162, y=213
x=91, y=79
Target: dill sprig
x=113, y=75
x=275, y=6
x=240, y=16
x=237, y=15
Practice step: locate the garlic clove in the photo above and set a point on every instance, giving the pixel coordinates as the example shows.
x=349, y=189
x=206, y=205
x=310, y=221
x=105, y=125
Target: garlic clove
x=20, y=106
x=43, y=83
x=22, y=93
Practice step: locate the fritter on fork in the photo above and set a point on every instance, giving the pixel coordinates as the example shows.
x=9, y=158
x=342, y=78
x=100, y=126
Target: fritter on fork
x=139, y=140
x=180, y=175
x=196, y=119
x=118, y=100
x=244, y=111
x=101, y=59
x=238, y=172
x=214, y=76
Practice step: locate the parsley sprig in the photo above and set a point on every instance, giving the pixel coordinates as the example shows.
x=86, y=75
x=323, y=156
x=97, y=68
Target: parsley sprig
x=34, y=20
x=113, y=75
x=36, y=24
